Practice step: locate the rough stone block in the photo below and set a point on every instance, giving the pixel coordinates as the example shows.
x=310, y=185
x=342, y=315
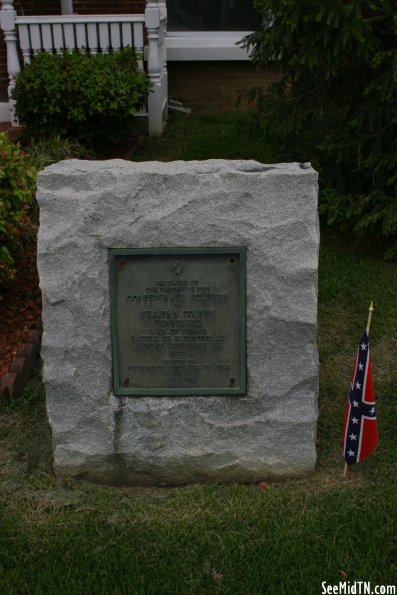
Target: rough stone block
x=87, y=208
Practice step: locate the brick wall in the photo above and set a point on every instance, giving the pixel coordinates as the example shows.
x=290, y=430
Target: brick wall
x=109, y=6
x=213, y=86
x=36, y=7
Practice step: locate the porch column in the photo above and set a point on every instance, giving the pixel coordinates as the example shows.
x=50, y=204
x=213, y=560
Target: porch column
x=154, y=18
x=7, y=24
x=66, y=6
x=163, y=16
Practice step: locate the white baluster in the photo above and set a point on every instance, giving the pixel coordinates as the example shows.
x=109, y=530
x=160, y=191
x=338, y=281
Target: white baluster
x=115, y=37
x=92, y=38
x=35, y=38
x=70, y=41
x=7, y=23
x=138, y=43
x=24, y=42
x=57, y=31
x=81, y=38
x=104, y=40
x=46, y=32
x=126, y=35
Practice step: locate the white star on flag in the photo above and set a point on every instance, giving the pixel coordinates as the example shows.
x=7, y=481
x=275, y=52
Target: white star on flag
x=363, y=347
x=351, y=453
x=360, y=367
x=355, y=403
x=353, y=436
x=355, y=420
x=358, y=385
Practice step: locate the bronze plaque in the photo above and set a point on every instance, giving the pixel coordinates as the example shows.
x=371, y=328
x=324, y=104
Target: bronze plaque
x=178, y=321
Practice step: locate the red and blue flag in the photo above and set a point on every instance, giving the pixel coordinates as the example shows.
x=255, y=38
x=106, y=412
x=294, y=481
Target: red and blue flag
x=360, y=432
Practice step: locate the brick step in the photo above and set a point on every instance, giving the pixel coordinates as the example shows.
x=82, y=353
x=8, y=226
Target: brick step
x=13, y=132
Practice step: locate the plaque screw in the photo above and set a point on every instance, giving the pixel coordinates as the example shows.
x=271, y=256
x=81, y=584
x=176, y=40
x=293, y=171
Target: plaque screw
x=126, y=382
x=232, y=381
x=232, y=260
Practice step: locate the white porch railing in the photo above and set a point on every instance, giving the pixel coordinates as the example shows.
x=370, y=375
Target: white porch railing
x=93, y=33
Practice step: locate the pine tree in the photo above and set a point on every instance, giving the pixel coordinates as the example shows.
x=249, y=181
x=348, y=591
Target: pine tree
x=335, y=102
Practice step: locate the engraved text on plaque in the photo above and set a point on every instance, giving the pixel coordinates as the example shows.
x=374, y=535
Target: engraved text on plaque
x=178, y=320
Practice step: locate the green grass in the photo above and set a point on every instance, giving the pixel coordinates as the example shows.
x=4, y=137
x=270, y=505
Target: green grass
x=206, y=136
x=70, y=537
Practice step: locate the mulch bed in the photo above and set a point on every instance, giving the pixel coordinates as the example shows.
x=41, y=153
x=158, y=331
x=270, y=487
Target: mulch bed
x=20, y=310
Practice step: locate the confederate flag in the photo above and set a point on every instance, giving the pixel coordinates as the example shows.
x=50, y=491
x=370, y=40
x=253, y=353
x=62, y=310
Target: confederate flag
x=360, y=432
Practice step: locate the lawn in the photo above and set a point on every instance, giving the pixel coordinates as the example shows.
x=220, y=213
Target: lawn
x=72, y=537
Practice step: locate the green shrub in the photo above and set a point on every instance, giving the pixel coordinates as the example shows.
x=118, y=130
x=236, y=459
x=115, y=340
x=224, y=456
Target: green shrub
x=335, y=103
x=17, y=186
x=88, y=97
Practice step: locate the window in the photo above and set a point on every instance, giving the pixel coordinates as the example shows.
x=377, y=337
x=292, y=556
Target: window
x=211, y=15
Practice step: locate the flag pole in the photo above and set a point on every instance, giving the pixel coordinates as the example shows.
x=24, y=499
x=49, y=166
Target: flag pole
x=371, y=309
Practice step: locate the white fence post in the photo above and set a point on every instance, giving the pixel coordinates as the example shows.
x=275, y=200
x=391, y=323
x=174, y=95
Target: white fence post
x=7, y=24
x=154, y=21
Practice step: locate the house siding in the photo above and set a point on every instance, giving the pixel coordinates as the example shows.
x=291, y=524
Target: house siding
x=204, y=86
